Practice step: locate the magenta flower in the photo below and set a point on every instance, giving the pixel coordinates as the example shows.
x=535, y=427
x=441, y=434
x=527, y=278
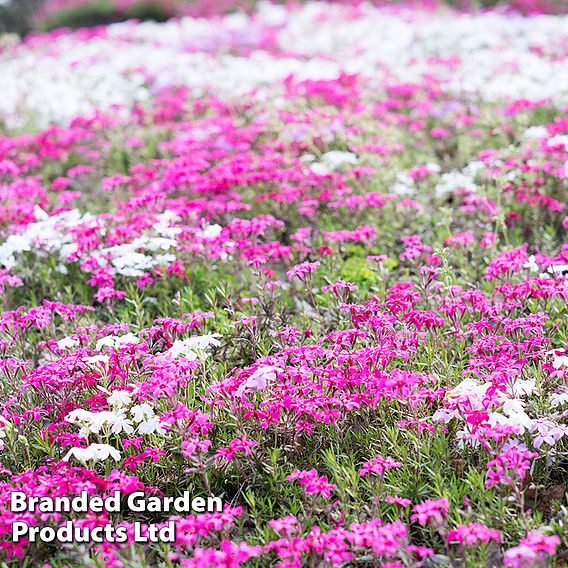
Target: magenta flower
x=431, y=510
x=312, y=483
x=473, y=533
x=378, y=465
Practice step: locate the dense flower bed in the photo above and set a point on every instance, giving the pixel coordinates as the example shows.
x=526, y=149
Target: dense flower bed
x=312, y=261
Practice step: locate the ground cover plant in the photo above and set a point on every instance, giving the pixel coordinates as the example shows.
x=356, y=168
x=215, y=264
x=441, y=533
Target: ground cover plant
x=310, y=260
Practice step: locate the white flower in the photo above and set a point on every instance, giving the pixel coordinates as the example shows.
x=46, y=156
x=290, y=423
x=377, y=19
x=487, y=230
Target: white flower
x=404, y=185
x=531, y=264
x=107, y=341
x=558, y=399
x=259, y=380
x=470, y=389
x=67, y=343
x=193, y=347
x=95, y=452
x=462, y=438
x=120, y=423
x=120, y=398
x=114, y=341
x=523, y=387
x=3, y=425
x=536, y=132
x=558, y=359
x=93, y=422
x=141, y=412
x=513, y=405
x=558, y=140
x=558, y=268
x=320, y=169
x=78, y=415
x=210, y=232
x=433, y=167
x=452, y=181
x=151, y=426
x=516, y=415
x=100, y=419
x=444, y=415
x=96, y=359
x=127, y=339
x=46, y=235
x=307, y=158
x=336, y=160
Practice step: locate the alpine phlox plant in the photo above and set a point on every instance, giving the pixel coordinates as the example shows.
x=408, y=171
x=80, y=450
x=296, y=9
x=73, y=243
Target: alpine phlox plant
x=317, y=273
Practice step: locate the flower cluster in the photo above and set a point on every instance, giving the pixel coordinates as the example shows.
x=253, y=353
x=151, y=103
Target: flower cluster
x=256, y=256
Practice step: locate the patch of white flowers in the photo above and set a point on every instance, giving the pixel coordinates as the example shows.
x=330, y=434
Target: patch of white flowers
x=128, y=260
x=116, y=341
x=51, y=235
x=4, y=425
x=333, y=161
x=48, y=235
x=511, y=413
x=79, y=75
x=94, y=452
x=453, y=181
x=123, y=417
x=193, y=348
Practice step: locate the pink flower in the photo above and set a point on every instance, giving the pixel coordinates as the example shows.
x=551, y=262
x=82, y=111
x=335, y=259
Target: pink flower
x=431, y=510
x=238, y=445
x=508, y=466
x=312, y=482
x=399, y=501
x=531, y=550
x=285, y=525
x=378, y=465
x=473, y=533
x=301, y=270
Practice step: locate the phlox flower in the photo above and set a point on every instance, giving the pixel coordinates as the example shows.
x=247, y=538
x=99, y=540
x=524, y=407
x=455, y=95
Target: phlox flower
x=383, y=539
x=332, y=161
x=96, y=359
x=92, y=422
x=558, y=399
x=120, y=398
x=238, y=445
x=141, y=412
x=229, y=554
x=473, y=533
x=430, y=510
x=312, y=482
x=115, y=341
x=399, y=501
x=378, y=465
x=259, y=380
x=547, y=431
x=193, y=347
x=193, y=445
x=121, y=423
x=559, y=359
x=3, y=425
x=286, y=525
x=151, y=426
x=94, y=452
x=531, y=551
x=67, y=343
x=509, y=465
x=303, y=269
